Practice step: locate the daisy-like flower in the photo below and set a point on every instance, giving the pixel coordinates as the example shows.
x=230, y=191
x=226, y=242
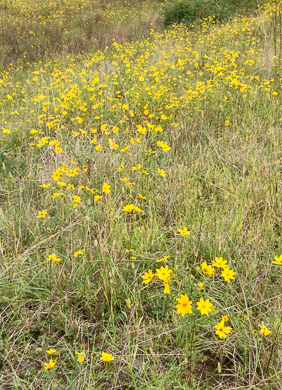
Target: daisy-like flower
x=204, y=306
x=228, y=274
x=148, y=276
x=264, y=330
x=106, y=188
x=184, y=231
x=278, y=260
x=222, y=330
x=81, y=356
x=131, y=207
x=163, y=273
x=107, y=357
x=54, y=257
x=207, y=269
x=52, y=351
x=219, y=262
x=161, y=172
x=166, y=287
x=49, y=365
x=184, y=306
x=141, y=196
x=80, y=252
x=97, y=198
x=162, y=259
x=42, y=214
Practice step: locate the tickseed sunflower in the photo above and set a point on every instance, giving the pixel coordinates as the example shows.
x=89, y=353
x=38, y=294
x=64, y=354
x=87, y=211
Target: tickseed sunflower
x=42, y=214
x=81, y=356
x=49, y=365
x=184, y=306
x=207, y=269
x=52, y=351
x=264, y=330
x=166, y=287
x=163, y=273
x=54, y=257
x=278, y=260
x=204, y=306
x=222, y=330
x=107, y=357
x=148, y=276
x=228, y=274
x=219, y=262
x=184, y=231
x=106, y=188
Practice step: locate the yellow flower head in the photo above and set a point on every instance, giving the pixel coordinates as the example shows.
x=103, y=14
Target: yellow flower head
x=204, y=306
x=207, y=269
x=184, y=231
x=228, y=274
x=148, y=276
x=222, y=330
x=278, y=260
x=54, y=257
x=106, y=188
x=161, y=172
x=107, y=357
x=219, y=262
x=76, y=254
x=49, y=365
x=162, y=259
x=141, y=196
x=52, y=351
x=184, y=306
x=81, y=356
x=166, y=287
x=264, y=330
x=163, y=273
x=42, y=214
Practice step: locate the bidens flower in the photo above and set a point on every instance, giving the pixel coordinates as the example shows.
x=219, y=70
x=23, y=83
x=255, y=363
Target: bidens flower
x=278, y=260
x=106, y=188
x=222, y=330
x=148, y=276
x=107, y=357
x=207, y=269
x=228, y=274
x=220, y=263
x=42, y=214
x=163, y=273
x=53, y=257
x=184, y=231
x=52, y=351
x=204, y=306
x=184, y=306
x=81, y=356
x=49, y=365
x=131, y=207
x=264, y=330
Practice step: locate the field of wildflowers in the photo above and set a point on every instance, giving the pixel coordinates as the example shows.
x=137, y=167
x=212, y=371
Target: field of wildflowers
x=140, y=210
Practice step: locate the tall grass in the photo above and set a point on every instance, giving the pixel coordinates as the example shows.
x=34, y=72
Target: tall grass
x=105, y=159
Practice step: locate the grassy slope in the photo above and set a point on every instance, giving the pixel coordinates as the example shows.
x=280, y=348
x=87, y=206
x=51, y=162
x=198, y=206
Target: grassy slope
x=64, y=27
x=213, y=92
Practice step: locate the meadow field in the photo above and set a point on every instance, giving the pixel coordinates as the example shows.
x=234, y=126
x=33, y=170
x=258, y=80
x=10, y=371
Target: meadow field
x=140, y=198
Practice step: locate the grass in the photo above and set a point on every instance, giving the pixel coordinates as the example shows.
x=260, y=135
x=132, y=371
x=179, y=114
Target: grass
x=190, y=121
x=62, y=27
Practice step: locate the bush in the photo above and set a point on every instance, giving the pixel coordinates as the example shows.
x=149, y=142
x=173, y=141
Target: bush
x=189, y=11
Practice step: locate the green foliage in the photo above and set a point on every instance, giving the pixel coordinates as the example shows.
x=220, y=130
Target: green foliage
x=189, y=11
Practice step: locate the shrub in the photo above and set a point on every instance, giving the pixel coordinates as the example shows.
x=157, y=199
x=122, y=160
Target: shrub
x=189, y=11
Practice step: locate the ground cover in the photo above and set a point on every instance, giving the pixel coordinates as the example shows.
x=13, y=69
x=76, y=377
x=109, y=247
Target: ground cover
x=140, y=213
